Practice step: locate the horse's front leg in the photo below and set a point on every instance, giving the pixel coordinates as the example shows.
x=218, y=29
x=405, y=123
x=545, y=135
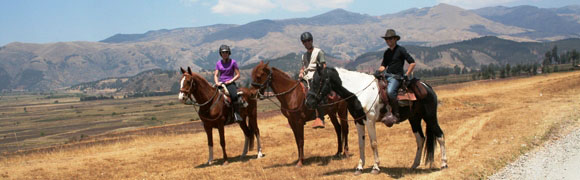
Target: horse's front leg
x=223, y=144
x=374, y=145
x=360, y=129
x=337, y=129
x=298, y=130
x=208, y=132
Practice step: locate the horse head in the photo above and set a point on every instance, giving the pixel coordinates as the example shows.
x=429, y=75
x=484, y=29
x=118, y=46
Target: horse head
x=319, y=88
x=187, y=84
x=261, y=77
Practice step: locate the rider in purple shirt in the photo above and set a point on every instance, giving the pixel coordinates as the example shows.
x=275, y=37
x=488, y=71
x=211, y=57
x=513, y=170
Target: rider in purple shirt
x=227, y=72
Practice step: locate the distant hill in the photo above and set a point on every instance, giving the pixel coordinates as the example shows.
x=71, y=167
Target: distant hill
x=343, y=35
x=471, y=53
x=545, y=23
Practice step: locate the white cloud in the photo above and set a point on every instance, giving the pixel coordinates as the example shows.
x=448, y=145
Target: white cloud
x=473, y=4
x=305, y=5
x=259, y=6
x=242, y=6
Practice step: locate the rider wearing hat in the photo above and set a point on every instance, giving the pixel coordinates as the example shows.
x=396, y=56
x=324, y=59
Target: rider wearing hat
x=226, y=73
x=393, y=61
x=312, y=58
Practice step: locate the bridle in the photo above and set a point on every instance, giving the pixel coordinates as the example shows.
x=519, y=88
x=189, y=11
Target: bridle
x=268, y=83
x=188, y=93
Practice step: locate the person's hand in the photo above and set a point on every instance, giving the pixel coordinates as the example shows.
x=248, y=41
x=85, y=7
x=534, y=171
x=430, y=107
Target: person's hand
x=218, y=84
x=300, y=76
x=377, y=74
x=405, y=77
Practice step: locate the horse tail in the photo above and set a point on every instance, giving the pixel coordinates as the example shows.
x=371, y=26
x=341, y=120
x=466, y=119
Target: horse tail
x=433, y=130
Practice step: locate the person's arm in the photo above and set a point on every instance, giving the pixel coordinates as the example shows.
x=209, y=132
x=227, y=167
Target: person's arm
x=410, y=69
x=236, y=76
x=215, y=77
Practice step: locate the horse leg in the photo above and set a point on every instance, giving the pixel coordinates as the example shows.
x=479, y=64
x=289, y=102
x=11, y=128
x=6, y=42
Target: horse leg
x=298, y=130
x=337, y=129
x=419, y=138
x=343, y=117
x=208, y=132
x=441, y=141
x=360, y=129
x=223, y=143
x=254, y=125
x=247, y=136
x=374, y=145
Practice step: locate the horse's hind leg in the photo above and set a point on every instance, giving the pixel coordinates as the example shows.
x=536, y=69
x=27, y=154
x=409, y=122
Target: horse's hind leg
x=441, y=141
x=343, y=117
x=223, y=144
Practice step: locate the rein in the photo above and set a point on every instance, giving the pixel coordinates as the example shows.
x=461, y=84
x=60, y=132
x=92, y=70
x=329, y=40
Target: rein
x=268, y=83
x=344, y=99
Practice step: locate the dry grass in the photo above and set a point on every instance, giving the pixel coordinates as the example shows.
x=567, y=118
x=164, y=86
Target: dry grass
x=486, y=123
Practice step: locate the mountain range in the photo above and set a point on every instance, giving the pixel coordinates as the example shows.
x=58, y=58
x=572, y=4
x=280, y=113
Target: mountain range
x=345, y=36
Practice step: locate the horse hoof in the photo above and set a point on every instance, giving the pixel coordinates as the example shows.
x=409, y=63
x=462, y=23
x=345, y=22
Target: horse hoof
x=225, y=163
x=358, y=172
x=444, y=166
x=375, y=171
x=299, y=165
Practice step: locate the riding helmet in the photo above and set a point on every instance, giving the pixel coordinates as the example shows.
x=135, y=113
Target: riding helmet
x=225, y=48
x=306, y=36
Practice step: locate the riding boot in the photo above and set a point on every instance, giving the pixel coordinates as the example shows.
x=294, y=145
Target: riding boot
x=395, y=109
x=237, y=117
x=319, y=121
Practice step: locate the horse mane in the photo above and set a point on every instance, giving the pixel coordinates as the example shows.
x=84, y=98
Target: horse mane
x=285, y=76
x=354, y=78
x=199, y=78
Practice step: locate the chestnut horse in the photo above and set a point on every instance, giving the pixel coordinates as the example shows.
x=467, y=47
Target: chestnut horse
x=214, y=112
x=292, y=97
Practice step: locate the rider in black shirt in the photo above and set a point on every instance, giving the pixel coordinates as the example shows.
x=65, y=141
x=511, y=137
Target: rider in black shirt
x=393, y=61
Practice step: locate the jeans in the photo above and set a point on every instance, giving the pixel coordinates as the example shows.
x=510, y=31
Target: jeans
x=392, y=87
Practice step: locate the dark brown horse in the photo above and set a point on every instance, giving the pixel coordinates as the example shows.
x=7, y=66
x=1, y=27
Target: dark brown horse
x=292, y=97
x=214, y=113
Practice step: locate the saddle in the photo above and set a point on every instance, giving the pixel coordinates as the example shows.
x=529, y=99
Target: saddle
x=415, y=90
x=226, y=95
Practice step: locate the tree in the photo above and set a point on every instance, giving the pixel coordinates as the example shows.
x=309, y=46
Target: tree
x=555, y=55
x=457, y=69
x=574, y=56
x=507, y=70
x=547, y=58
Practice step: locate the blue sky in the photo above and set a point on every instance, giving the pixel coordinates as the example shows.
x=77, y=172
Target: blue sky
x=46, y=21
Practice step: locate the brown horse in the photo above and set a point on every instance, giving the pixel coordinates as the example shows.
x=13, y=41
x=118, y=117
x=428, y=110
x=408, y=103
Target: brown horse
x=214, y=113
x=292, y=98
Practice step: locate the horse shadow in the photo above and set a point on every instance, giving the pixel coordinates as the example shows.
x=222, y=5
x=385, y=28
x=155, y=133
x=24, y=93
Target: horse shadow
x=394, y=172
x=320, y=160
x=219, y=162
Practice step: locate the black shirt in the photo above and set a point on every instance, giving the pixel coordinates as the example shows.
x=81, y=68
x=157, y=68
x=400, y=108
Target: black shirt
x=394, y=60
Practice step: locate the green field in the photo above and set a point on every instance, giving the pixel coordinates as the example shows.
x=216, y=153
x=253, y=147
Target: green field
x=32, y=121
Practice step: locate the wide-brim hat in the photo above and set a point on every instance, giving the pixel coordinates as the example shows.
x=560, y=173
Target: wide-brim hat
x=391, y=33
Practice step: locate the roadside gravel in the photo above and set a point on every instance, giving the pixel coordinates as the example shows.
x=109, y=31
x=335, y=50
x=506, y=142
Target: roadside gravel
x=557, y=159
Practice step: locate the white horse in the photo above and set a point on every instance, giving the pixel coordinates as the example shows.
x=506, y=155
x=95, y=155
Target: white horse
x=366, y=89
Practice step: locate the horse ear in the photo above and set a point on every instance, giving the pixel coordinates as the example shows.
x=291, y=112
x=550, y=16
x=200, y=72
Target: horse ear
x=182, y=70
x=189, y=70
